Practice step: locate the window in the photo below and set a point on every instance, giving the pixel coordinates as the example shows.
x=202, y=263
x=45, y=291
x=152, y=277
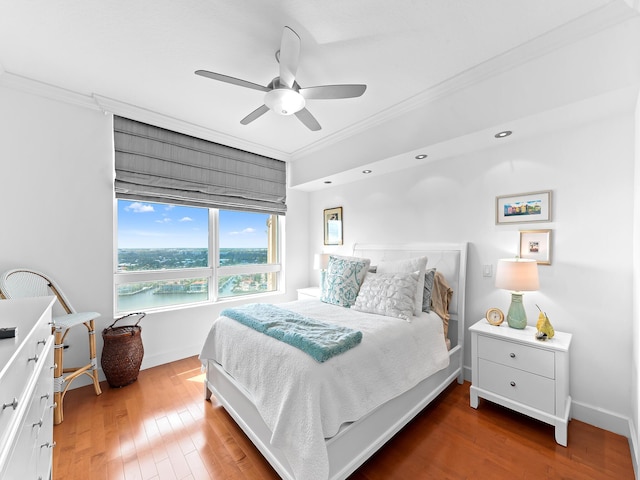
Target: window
x=173, y=255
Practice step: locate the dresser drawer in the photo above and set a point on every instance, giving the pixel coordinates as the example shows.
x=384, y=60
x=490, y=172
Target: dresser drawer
x=14, y=380
x=516, y=355
x=32, y=446
x=517, y=385
x=26, y=378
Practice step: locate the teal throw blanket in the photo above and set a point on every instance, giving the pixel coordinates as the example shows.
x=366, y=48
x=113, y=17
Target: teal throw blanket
x=318, y=339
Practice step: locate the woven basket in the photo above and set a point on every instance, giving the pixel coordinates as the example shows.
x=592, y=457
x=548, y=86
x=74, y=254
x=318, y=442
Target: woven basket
x=122, y=352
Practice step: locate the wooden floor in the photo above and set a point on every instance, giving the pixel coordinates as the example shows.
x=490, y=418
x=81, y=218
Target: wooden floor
x=160, y=427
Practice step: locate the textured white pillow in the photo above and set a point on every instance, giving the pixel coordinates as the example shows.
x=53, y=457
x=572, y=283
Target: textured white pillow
x=390, y=294
x=418, y=264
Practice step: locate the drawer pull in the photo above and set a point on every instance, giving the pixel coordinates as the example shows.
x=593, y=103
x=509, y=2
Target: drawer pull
x=45, y=396
x=13, y=404
x=512, y=355
x=512, y=383
x=37, y=424
x=48, y=445
x=33, y=359
x=43, y=341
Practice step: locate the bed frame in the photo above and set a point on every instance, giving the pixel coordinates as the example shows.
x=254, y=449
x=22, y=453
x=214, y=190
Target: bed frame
x=357, y=441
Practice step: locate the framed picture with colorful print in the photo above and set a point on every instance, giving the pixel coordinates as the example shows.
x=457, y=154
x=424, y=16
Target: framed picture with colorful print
x=523, y=208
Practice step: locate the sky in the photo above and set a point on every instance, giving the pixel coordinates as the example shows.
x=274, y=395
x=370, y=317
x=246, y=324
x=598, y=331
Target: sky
x=156, y=225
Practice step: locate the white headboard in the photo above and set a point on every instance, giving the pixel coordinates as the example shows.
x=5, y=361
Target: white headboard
x=448, y=258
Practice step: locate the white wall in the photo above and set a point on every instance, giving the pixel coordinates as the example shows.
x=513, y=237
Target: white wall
x=56, y=192
x=56, y=172
x=635, y=364
x=586, y=290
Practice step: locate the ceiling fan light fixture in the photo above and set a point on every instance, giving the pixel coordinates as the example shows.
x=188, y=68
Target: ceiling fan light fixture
x=284, y=101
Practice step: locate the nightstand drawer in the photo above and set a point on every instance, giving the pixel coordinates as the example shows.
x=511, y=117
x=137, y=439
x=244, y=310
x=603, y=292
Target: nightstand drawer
x=517, y=385
x=516, y=355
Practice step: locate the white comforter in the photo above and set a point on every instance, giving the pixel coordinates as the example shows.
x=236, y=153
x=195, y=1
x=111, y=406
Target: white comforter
x=303, y=401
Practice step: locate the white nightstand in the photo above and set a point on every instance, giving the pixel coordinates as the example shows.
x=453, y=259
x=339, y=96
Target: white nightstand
x=510, y=367
x=310, y=292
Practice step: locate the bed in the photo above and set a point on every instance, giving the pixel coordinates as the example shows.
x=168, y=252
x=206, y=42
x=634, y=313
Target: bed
x=335, y=425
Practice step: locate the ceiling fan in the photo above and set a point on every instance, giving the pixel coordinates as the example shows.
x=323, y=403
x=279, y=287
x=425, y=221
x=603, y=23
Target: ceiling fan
x=284, y=95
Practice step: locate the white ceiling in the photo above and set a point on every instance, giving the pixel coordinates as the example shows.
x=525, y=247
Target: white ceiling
x=433, y=68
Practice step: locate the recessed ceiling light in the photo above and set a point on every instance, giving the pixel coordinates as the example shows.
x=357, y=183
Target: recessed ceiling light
x=506, y=133
x=327, y=181
x=421, y=156
x=367, y=171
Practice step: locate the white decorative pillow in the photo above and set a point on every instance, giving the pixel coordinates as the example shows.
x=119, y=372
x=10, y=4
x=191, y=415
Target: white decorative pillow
x=418, y=264
x=343, y=279
x=390, y=294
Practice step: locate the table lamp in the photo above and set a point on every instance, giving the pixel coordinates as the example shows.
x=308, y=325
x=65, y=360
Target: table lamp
x=518, y=275
x=320, y=262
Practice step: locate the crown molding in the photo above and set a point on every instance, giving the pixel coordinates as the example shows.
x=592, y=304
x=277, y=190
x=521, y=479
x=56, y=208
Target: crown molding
x=111, y=106
x=116, y=107
x=34, y=87
x=589, y=24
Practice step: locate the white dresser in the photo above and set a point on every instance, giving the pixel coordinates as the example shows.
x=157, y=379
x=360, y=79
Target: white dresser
x=26, y=390
x=510, y=367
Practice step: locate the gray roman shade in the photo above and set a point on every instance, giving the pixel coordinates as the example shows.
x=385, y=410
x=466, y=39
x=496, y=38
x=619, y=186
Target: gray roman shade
x=159, y=165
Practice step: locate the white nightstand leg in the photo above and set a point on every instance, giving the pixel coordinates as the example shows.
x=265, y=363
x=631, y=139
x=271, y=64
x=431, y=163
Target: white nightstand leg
x=561, y=434
x=474, y=397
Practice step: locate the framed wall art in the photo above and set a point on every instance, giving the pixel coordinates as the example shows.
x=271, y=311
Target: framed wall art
x=333, y=226
x=524, y=208
x=536, y=245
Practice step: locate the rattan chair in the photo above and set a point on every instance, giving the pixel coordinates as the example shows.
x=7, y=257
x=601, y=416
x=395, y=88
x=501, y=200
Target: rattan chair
x=20, y=283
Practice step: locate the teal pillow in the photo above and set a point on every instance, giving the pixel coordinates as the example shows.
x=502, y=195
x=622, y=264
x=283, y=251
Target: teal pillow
x=343, y=279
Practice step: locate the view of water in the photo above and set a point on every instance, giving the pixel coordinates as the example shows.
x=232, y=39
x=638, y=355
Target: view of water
x=147, y=295
x=147, y=299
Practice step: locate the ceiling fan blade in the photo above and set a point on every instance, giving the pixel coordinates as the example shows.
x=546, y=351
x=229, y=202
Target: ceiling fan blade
x=232, y=80
x=309, y=120
x=289, y=56
x=332, y=91
x=258, y=112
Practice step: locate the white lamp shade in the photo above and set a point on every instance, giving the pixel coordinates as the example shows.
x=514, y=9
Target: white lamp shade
x=517, y=274
x=320, y=261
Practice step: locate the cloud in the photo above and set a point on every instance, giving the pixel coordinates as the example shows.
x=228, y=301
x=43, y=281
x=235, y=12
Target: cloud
x=164, y=220
x=244, y=232
x=137, y=207
x=186, y=219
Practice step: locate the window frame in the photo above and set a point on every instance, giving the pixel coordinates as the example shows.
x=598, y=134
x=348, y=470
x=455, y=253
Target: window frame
x=212, y=273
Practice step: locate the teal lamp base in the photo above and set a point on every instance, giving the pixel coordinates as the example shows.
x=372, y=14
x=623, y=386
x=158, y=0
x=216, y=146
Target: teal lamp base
x=516, y=317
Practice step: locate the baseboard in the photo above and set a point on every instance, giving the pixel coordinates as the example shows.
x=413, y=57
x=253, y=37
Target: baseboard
x=597, y=417
x=633, y=446
x=601, y=418
x=168, y=357
x=467, y=373
x=147, y=362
